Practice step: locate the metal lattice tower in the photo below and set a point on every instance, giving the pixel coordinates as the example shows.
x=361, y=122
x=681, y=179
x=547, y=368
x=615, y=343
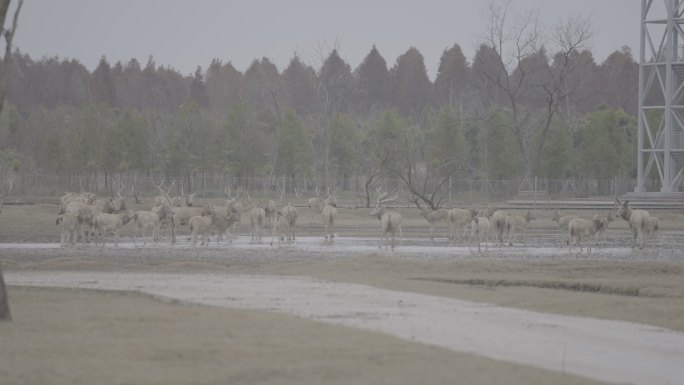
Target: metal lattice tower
x=661, y=95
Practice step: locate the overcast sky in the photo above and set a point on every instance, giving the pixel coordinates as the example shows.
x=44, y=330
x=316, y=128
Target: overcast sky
x=186, y=34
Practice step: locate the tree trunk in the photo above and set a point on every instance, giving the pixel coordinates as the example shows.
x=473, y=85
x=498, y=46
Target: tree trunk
x=5, y=314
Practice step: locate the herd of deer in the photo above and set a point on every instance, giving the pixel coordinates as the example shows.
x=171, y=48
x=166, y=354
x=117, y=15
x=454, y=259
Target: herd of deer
x=83, y=215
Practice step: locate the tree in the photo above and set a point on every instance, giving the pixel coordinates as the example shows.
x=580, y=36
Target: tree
x=372, y=82
x=500, y=159
x=411, y=86
x=618, y=81
x=198, y=89
x=5, y=313
x=103, y=83
x=532, y=90
x=608, y=144
x=446, y=147
x=452, y=78
x=334, y=92
x=558, y=157
x=344, y=146
x=224, y=84
x=294, y=152
x=299, y=81
x=400, y=150
x=246, y=146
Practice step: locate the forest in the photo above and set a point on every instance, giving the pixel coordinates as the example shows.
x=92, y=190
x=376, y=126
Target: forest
x=549, y=110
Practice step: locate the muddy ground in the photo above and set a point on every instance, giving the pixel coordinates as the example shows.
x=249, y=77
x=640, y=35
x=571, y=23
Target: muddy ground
x=173, y=343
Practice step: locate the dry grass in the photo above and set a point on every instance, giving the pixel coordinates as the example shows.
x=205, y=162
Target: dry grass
x=80, y=337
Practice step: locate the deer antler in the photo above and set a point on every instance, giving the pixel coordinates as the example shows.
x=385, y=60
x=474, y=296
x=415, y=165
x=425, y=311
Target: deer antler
x=120, y=189
x=391, y=199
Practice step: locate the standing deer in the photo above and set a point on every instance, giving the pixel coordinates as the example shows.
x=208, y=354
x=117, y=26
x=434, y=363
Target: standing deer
x=257, y=217
x=328, y=214
x=479, y=229
x=459, y=219
x=163, y=197
x=270, y=210
x=84, y=197
x=316, y=205
x=390, y=221
x=639, y=221
x=289, y=212
x=433, y=217
x=498, y=223
x=563, y=222
x=580, y=229
x=605, y=219
x=516, y=225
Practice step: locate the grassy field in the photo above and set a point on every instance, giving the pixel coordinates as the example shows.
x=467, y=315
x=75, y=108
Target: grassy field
x=75, y=337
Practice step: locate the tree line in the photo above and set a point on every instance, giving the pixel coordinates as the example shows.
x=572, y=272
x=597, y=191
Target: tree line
x=552, y=112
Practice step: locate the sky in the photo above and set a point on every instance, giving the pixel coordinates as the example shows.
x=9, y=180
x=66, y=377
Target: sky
x=187, y=34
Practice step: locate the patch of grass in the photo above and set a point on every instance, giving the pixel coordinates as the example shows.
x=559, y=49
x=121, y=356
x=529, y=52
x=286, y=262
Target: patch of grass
x=584, y=287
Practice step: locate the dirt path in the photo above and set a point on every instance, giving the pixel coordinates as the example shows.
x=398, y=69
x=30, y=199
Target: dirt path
x=610, y=351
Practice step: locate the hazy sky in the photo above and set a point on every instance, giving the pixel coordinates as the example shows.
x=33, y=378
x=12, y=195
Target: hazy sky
x=185, y=34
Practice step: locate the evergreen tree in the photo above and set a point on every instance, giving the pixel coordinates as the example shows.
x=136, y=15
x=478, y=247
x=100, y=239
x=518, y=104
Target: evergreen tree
x=294, y=153
x=299, y=82
x=412, y=89
x=103, y=83
x=452, y=77
x=447, y=152
x=372, y=82
x=608, y=144
x=198, y=89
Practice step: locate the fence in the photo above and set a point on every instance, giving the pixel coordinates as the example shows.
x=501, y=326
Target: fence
x=214, y=185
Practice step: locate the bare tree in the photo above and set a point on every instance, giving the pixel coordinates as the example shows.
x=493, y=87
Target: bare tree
x=532, y=88
x=406, y=162
x=5, y=313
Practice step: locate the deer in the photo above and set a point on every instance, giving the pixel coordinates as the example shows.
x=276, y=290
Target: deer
x=215, y=220
x=270, y=210
x=433, y=217
x=181, y=217
x=563, y=221
x=151, y=220
x=459, y=219
x=69, y=226
x=316, y=205
x=605, y=218
x=289, y=213
x=68, y=197
x=329, y=213
x=498, y=223
x=163, y=197
x=235, y=206
x=580, y=229
x=390, y=221
x=639, y=221
x=183, y=200
x=257, y=217
x=479, y=229
x=516, y=225
x=112, y=205
x=110, y=223
x=85, y=213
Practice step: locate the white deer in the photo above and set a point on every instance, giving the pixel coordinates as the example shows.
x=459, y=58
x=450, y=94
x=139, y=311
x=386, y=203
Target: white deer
x=639, y=221
x=390, y=221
